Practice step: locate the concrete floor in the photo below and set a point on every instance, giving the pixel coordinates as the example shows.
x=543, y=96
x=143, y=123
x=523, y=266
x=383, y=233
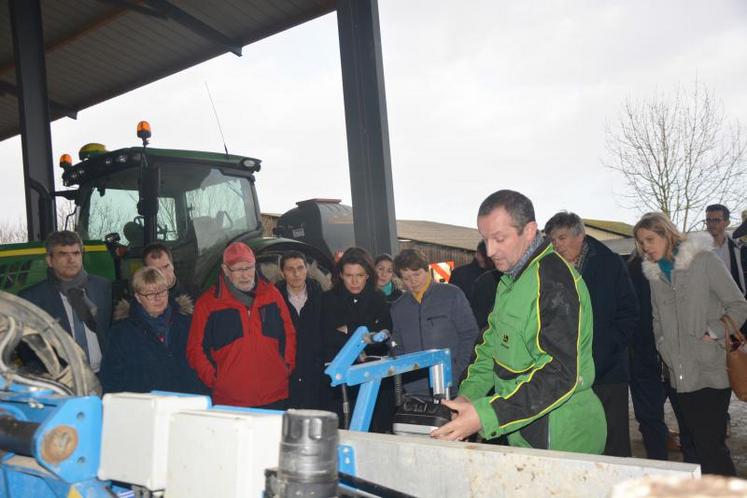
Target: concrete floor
x=737, y=441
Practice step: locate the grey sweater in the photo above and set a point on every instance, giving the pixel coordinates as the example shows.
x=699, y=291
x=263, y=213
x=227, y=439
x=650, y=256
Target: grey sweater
x=443, y=319
x=687, y=311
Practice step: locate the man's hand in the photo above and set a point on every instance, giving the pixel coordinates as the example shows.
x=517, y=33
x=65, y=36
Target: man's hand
x=464, y=424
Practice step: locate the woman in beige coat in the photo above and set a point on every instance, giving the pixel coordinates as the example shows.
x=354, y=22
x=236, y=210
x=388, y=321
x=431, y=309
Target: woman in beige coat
x=691, y=290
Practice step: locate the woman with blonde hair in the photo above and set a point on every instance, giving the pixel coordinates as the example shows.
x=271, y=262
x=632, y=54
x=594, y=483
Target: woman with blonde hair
x=691, y=290
x=146, y=350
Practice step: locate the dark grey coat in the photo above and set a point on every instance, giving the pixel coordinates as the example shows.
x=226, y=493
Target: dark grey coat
x=444, y=319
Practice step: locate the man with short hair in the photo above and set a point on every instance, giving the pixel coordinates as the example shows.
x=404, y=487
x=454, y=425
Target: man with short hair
x=80, y=302
x=465, y=276
x=242, y=343
x=536, y=353
x=159, y=256
x=730, y=252
x=303, y=296
x=615, y=307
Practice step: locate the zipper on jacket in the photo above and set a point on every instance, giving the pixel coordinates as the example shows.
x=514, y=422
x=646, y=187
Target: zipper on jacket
x=420, y=324
x=678, y=368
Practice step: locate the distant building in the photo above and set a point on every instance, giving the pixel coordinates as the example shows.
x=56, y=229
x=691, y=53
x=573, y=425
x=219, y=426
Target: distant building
x=444, y=242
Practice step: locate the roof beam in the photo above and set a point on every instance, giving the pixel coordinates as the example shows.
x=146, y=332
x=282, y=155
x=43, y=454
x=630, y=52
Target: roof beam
x=55, y=107
x=163, y=9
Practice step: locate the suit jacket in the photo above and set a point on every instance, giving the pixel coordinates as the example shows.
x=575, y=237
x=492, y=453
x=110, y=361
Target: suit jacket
x=99, y=290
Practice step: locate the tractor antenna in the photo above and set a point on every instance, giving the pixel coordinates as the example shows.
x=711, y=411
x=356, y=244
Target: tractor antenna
x=217, y=119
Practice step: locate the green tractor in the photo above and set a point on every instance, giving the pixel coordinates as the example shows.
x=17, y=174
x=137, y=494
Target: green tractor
x=196, y=203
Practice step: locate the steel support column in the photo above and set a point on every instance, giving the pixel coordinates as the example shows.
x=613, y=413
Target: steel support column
x=33, y=110
x=367, y=129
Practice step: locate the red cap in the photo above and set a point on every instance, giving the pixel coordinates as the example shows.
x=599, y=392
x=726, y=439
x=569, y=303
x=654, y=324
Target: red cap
x=238, y=252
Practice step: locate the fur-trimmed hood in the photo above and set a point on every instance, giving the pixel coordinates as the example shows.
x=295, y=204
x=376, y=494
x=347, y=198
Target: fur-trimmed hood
x=695, y=244
x=184, y=305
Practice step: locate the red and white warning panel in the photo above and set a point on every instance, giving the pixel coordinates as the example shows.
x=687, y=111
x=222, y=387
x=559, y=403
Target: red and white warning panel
x=441, y=272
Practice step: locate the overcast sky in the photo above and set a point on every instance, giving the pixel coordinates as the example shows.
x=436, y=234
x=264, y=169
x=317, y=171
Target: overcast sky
x=481, y=95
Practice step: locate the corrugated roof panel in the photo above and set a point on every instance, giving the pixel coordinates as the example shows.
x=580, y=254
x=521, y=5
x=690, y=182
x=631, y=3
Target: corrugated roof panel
x=96, y=51
x=229, y=17
x=439, y=233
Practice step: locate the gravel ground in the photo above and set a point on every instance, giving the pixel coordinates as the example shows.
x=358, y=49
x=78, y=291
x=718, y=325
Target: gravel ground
x=737, y=441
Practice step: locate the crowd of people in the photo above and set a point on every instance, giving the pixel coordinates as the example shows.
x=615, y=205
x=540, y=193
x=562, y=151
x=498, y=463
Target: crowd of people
x=549, y=330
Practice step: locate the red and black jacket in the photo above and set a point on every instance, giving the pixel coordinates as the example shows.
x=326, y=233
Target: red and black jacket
x=243, y=355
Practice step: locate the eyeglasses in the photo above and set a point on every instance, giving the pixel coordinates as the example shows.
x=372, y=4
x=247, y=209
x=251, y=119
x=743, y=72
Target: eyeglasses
x=245, y=271
x=153, y=296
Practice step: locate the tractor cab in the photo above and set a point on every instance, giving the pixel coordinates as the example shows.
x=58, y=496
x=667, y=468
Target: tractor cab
x=193, y=202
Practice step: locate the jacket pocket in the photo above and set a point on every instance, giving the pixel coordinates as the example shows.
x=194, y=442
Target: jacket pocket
x=505, y=372
x=710, y=354
x=272, y=324
x=222, y=328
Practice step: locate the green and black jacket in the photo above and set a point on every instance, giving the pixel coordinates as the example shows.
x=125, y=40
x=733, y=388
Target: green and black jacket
x=533, y=369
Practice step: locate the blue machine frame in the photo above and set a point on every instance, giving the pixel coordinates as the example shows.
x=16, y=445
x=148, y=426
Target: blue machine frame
x=343, y=370
x=64, y=447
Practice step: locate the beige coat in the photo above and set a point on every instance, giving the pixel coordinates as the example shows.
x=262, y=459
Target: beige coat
x=687, y=311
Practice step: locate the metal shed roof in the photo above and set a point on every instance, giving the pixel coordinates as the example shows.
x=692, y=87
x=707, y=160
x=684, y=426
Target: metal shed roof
x=96, y=50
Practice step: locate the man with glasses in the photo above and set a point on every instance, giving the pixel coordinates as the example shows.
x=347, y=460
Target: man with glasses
x=730, y=252
x=242, y=343
x=80, y=302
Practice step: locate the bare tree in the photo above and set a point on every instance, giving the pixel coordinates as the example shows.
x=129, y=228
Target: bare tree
x=13, y=231
x=677, y=154
x=65, y=214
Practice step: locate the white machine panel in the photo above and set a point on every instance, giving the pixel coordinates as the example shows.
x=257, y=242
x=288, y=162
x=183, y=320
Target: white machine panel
x=222, y=453
x=135, y=436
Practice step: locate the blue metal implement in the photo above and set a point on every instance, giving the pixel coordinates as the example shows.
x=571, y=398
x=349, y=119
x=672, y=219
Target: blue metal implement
x=55, y=443
x=343, y=370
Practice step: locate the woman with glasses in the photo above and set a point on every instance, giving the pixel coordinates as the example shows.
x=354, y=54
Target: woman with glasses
x=690, y=291
x=147, y=343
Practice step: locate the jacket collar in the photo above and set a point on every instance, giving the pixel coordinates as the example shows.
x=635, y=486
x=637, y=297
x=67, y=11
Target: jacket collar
x=182, y=304
x=529, y=257
x=222, y=293
x=312, y=288
x=695, y=244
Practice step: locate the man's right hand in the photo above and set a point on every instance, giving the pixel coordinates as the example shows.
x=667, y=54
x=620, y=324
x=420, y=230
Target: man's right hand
x=464, y=424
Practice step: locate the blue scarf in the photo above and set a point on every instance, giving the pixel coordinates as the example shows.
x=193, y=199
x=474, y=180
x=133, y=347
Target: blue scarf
x=158, y=326
x=388, y=288
x=666, y=267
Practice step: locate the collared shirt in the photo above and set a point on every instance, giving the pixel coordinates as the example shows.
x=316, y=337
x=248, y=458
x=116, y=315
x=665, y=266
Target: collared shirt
x=722, y=252
x=94, y=350
x=298, y=300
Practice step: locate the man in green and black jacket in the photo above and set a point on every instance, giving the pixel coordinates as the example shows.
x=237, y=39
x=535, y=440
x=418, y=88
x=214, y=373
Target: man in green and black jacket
x=533, y=369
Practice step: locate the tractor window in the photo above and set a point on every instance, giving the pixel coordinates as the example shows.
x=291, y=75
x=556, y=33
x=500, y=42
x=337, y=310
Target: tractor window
x=200, y=208
x=112, y=212
x=220, y=209
x=116, y=211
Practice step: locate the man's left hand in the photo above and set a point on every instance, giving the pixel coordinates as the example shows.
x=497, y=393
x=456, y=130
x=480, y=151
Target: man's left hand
x=466, y=422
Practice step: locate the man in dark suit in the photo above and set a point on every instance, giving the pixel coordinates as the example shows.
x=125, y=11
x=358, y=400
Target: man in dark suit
x=615, y=307
x=81, y=303
x=303, y=295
